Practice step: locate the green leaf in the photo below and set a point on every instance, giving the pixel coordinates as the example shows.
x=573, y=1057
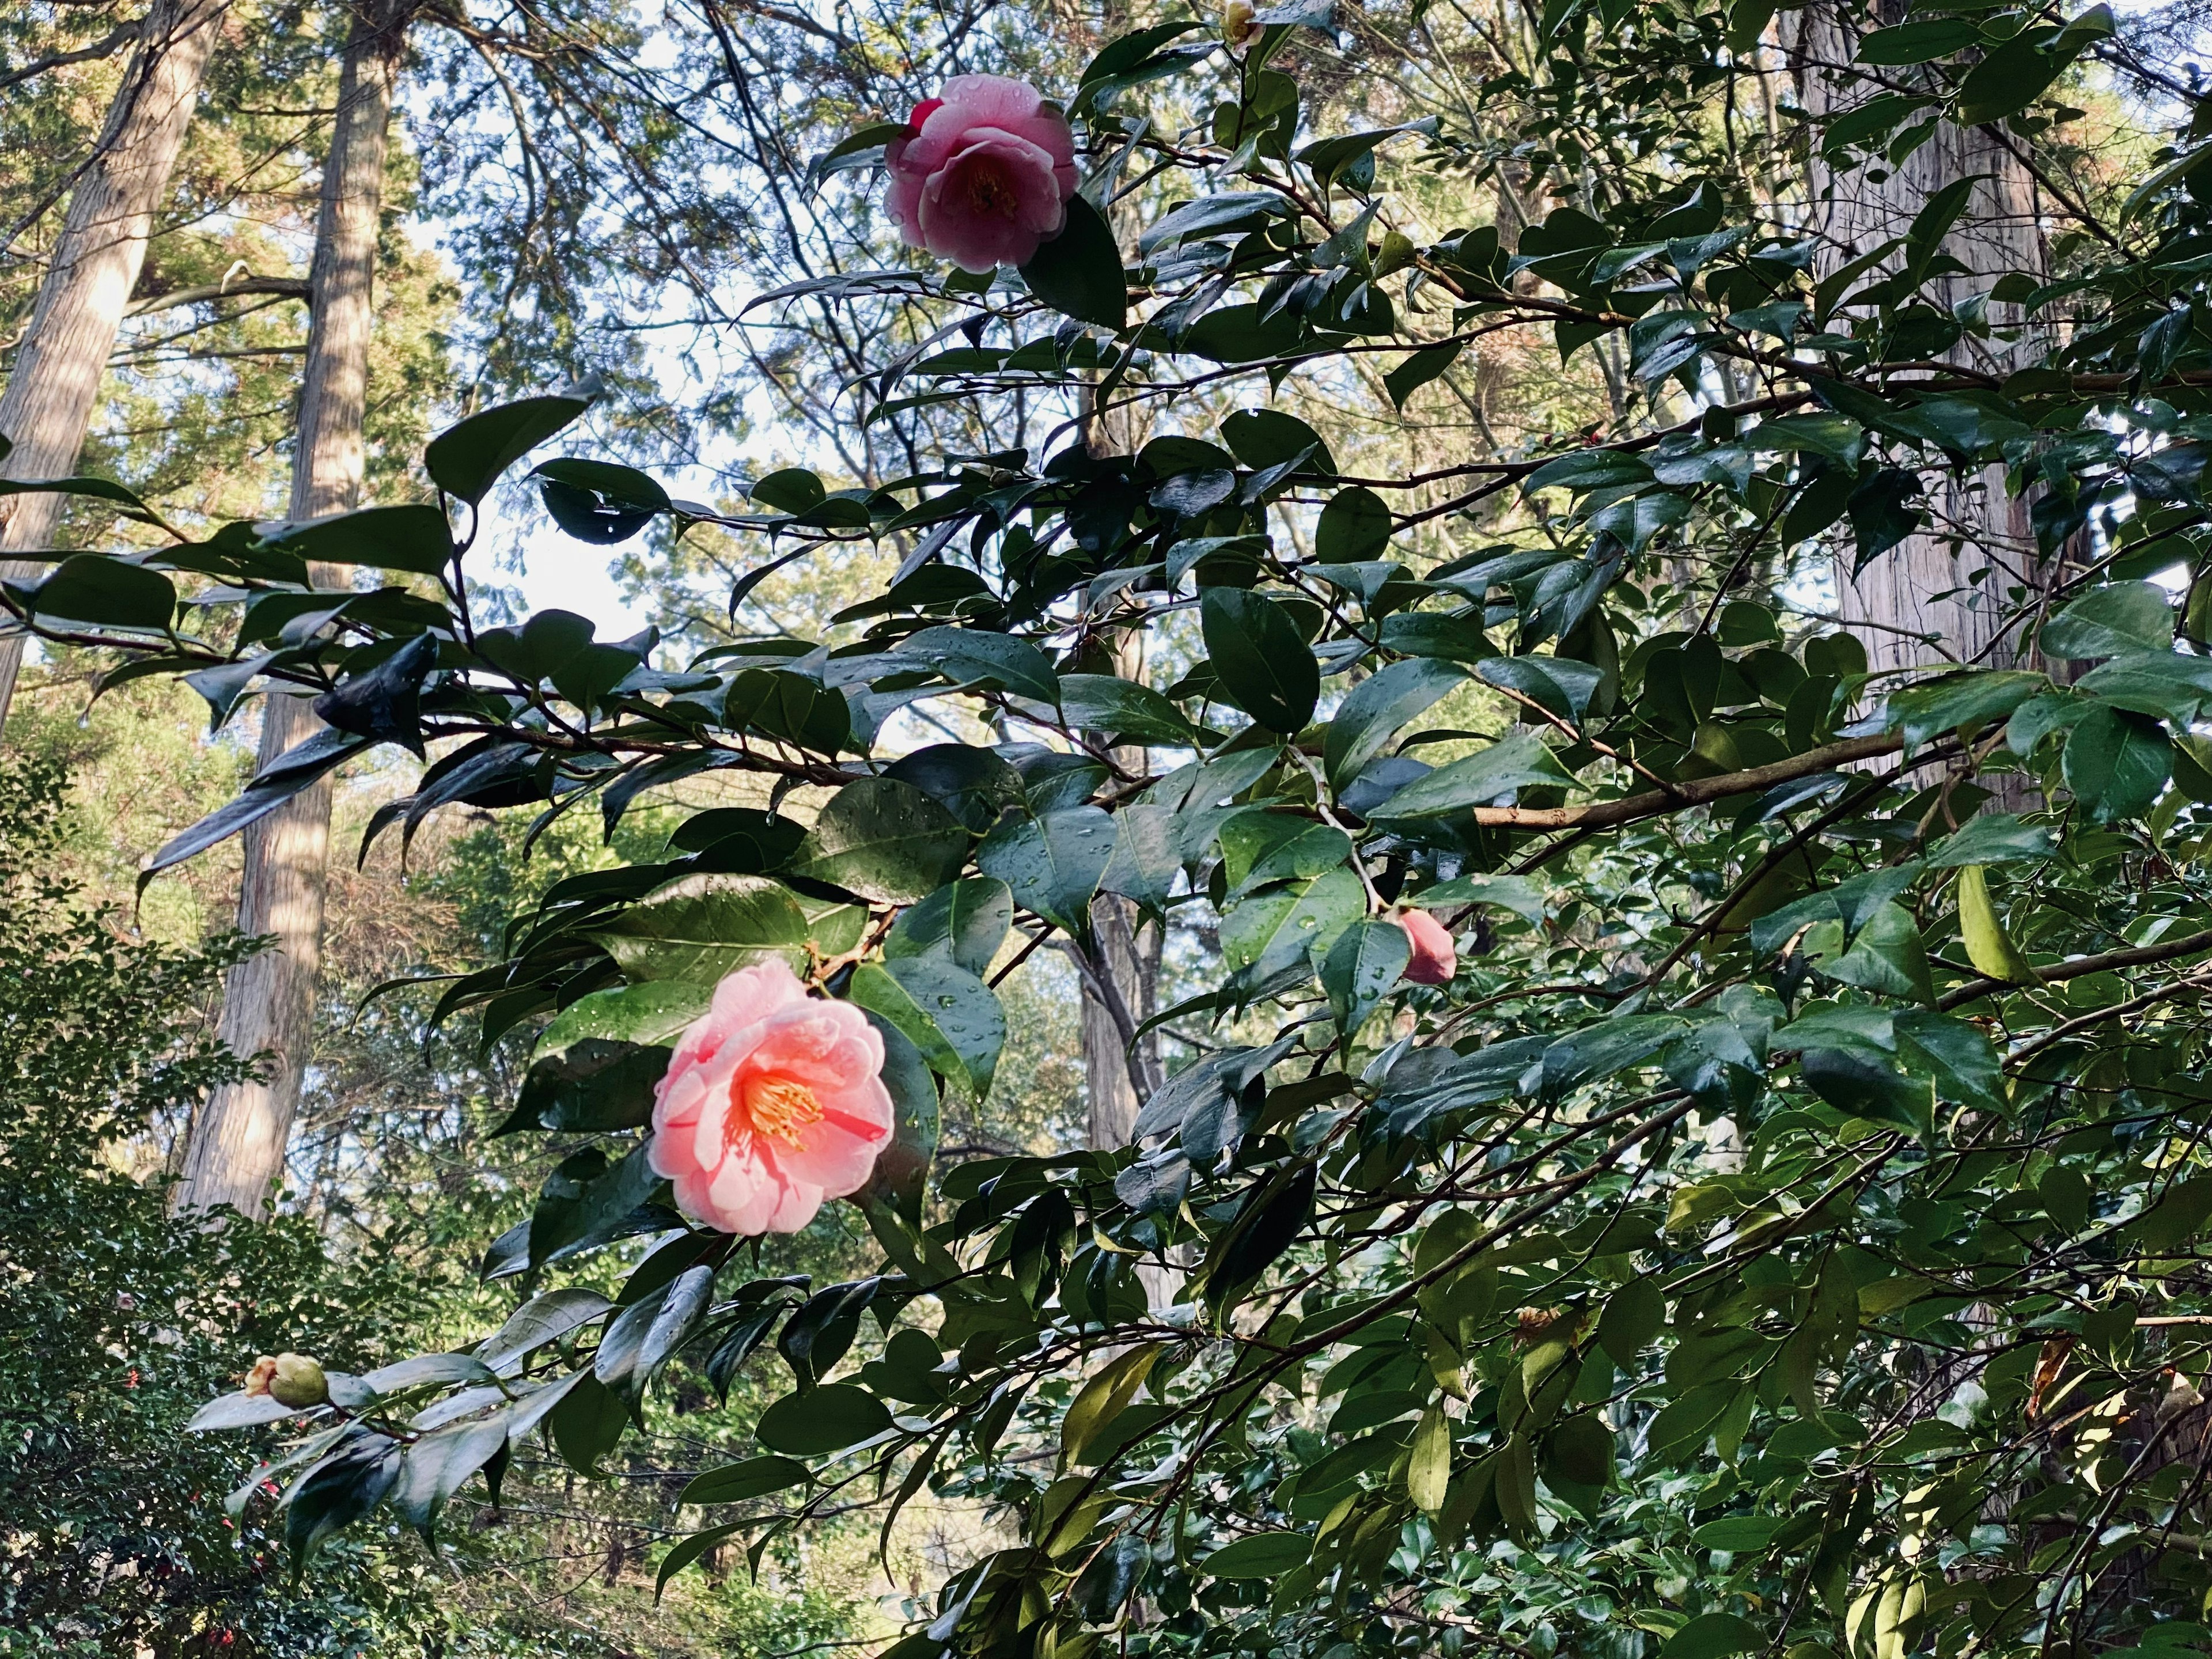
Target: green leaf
x=599, y=502
x=433, y=1469
x=1631, y=1320
x=1418, y=368
x=968, y=919
x=1119, y=708
x=1522, y=896
x=1354, y=526
x=90, y=587
x=412, y=538
x=1919, y=43
x=1514, y=1479
x=1992, y=838
x=976, y=657
x=467, y=458
x=1103, y=1399
x=791, y=708
x=2111, y=621
x=1680, y=1430
x=1714, y=1636
x=1077, y=272
x=1259, y=1555
x=336, y=1492
x=586, y=1204
x=545, y=1318
x=859, y=149
x=1266, y=438
x=1148, y=855
x=1739, y=1533
x=1053, y=864
x=698, y=929
x=2016, y=74
x=1886, y=955
x=822, y=1420
x=883, y=839
x=2115, y=764
x=1581, y=1450
x=1852, y=1080
x=641, y=1339
x=1359, y=970
x=239, y=1411
x=1428, y=1468
x=1988, y=947
x=1954, y=1055
x=945, y=1010
x=901, y=1175
x=1262, y=658
x=741, y=1482
x=1974, y=698
x=1277, y=930
x=1519, y=760
x=586, y=1423
x=271, y=787
x=1882, y=514
x=2178, y=1215
x=1373, y=710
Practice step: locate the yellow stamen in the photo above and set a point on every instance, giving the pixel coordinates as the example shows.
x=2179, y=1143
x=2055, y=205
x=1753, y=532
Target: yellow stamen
x=988, y=192
x=778, y=1109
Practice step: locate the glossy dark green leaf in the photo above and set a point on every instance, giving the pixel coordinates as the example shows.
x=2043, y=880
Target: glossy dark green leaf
x=1259, y=1555
x=91, y=588
x=467, y=458
x=2115, y=764
x=1077, y=272
x=743, y=1481
x=336, y=1492
x=1360, y=968
x=1519, y=760
x=966, y=918
x=901, y=1175
x=2111, y=621
x=945, y=1010
x=883, y=839
x=411, y=537
x=1053, y=864
x=1374, y=709
x=975, y=657
x=1262, y=658
x=697, y=928
x=822, y=1420
x=1119, y=708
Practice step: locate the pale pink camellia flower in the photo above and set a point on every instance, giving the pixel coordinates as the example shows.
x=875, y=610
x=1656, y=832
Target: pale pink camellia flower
x=983, y=173
x=773, y=1102
x=1434, y=961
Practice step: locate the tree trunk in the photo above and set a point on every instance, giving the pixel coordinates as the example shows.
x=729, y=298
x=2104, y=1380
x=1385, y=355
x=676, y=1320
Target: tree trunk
x=239, y=1139
x=1128, y=950
x=95, y=265
x=1941, y=594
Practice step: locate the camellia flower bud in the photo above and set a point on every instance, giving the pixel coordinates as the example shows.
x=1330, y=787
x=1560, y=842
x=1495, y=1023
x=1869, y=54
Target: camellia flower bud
x=1239, y=23
x=262, y=1374
x=1434, y=960
x=299, y=1381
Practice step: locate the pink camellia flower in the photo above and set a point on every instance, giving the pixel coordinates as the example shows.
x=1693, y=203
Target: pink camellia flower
x=983, y=173
x=1434, y=961
x=775, y=1102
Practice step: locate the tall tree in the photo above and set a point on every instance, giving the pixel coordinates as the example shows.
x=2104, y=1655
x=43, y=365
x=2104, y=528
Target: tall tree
x=1942, y=592
x=49, y=396
x=238, y=1141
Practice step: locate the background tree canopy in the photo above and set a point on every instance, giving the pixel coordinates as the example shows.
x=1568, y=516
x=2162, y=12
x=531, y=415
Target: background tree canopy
x=1708, y=506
